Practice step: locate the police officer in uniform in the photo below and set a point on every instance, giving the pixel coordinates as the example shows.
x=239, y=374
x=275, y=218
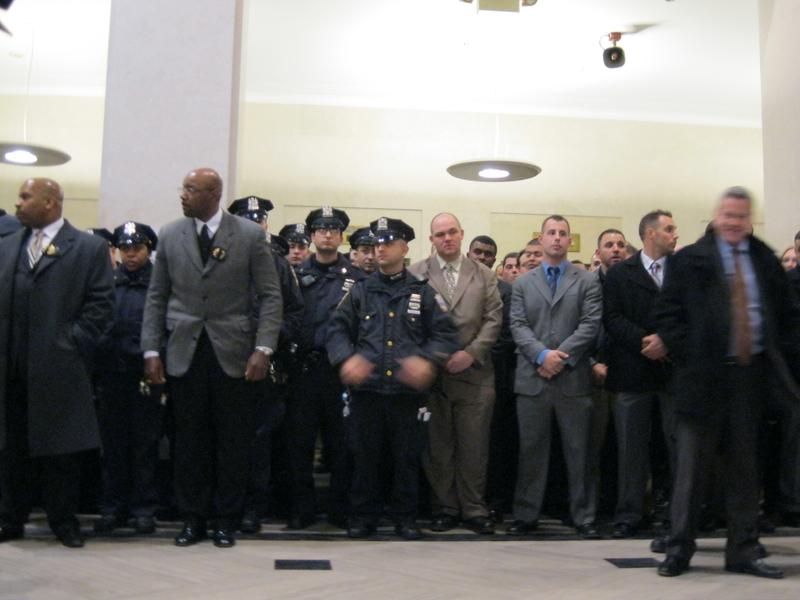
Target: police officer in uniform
x=272, y=401
x=387, y=338
x=362, y=243
x=299, y=240
x=316, y=404
x=129, y=413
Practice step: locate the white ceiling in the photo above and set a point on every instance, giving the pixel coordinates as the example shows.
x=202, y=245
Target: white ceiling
x=699, y=63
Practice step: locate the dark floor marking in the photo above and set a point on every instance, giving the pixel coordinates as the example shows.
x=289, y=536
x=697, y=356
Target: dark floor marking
x=633, y=563
x=302, y=565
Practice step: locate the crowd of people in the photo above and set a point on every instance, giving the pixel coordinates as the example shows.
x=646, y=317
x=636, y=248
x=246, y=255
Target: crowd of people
x=647, y=380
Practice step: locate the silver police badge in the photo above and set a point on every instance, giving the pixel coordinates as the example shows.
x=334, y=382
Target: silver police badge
x=129, y=228
x=252, y=204
x=327, y=211
x=383, y=225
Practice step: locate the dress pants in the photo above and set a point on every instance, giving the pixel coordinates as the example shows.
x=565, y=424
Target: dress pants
x=378, y=421
x=60, y=474
x=633, y=416
x=316, y=406
x=271, y=409
x=503, y=442
x=731, y=432
x=130, y=427
x=214, y=429
x=574, y=416
x=458, y=446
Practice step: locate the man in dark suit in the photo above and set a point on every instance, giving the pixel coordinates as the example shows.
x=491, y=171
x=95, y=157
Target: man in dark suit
x=56, y=301
x=637, y=368
x=730, y=323
x=214, y=295
x=555, y=316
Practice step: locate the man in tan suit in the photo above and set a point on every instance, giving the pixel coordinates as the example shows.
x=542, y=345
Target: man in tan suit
x=462, y=401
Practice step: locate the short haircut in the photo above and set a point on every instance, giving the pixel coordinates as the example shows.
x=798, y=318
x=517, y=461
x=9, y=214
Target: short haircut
x=485, y=240
x=514, y=255
x=557, y=218
x=534, y=242
x=631, y=249
x=738, y=192
x=606, y=232
x=519, y=255
x=797, y=236
x=651, y=220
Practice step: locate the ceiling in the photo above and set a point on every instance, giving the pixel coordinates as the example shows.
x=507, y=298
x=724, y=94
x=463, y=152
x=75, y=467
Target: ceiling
x=698, y=63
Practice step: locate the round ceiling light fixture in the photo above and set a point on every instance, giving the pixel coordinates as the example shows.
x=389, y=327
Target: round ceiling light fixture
x=15, y=153
x=493, y=170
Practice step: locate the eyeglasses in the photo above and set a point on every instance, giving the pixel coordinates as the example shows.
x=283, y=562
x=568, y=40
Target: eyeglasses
x=190, y=189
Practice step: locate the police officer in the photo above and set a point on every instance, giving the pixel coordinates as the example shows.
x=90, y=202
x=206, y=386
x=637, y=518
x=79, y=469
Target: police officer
x=272, y=402
x=299, y=240
x=316, y=404
x=362, y=244
x=108, y=237
x=388, y=338
x=129, y=413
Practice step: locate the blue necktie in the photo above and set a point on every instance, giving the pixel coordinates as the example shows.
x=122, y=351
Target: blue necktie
x=552, y=279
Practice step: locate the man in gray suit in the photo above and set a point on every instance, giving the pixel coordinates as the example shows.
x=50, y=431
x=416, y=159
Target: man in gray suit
x=461, y=402
x=555, y=317
x=56, y=302
x=215, y=300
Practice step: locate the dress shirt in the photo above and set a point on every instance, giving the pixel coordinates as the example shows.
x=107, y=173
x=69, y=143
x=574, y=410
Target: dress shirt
x=647, y=263
x=212, y=223
x=456, y=265
x=753, y=293
x=50, y=232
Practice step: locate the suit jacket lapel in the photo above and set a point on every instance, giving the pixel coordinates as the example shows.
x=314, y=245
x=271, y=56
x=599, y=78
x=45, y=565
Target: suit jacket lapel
x=191, y=244
x=566, y=281
x=540, y=281
x=58, y=247
x=465, y=275
x=436, y=277
x=641, y=277
x=221, y=240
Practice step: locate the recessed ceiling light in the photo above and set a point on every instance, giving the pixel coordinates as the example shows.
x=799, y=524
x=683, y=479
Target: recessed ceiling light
x=493, y=173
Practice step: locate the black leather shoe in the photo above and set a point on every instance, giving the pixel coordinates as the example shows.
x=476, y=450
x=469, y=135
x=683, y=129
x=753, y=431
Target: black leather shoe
x=108, y=523
x=338, y=520
x=755, y=567
x=673, y=566
x=496, y=516
x=223, y=538
x=761, y=551
x=190, y=534
x=70, y=536
x=480, y=525
x=408, y=531
x=659, y=544
x=10, y=532
x=360, y=529
x=588, y=531
x=624, y=530
x=250, y=523
x=144, y=524
x=443, y=523
x=522, y=527
x=300, y=522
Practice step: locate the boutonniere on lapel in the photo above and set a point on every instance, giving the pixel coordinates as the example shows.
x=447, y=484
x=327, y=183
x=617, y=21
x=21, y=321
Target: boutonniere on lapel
x=218, y=253
x=51, y=250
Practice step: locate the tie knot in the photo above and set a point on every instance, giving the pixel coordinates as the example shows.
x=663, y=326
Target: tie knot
x=552, y=271
x=655, y=267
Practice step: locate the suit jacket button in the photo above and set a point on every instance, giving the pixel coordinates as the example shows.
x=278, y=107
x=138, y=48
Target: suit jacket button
x=391, y=314
x=389, y=373
x=390, y=343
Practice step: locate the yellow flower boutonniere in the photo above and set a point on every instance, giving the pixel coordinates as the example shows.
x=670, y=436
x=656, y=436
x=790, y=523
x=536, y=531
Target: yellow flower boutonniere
x=218, y=253
x=51, y=250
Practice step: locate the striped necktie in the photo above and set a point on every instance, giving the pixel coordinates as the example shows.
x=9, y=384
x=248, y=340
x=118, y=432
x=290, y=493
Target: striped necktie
x=35, y=248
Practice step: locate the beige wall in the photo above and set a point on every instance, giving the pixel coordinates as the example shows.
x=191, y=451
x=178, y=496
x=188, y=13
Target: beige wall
x=374, y=161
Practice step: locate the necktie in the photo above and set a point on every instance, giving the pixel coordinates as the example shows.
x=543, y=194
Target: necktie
x=35, y=249
x=205, y=243
x=450, y=280
x=552, y=279
x=741, y=318
x=655, y=273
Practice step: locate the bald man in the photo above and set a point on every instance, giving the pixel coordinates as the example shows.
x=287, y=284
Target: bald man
x=463, y=399
x=56, y=298
x=215, y=302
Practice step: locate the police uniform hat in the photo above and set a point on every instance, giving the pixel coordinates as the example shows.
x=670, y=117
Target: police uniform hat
x=362, y=237
x=279, y=245
x=296, y=233
x=131, y=233
x=386, y=230
x=103, y=233
x=251, y=207
x=327, y=217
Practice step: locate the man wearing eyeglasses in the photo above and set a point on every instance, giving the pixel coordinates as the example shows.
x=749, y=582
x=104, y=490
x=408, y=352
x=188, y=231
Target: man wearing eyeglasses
x=212, y=274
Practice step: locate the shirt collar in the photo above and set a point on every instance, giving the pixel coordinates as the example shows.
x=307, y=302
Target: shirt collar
x=562, y=266
x=50, y=231
x=456, y=263
x=727, y=249
x=647, y=262
x=213, y=222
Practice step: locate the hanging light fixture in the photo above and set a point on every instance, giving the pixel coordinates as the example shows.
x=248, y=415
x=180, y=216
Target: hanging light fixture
x=23, y=153
x=494, y=169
